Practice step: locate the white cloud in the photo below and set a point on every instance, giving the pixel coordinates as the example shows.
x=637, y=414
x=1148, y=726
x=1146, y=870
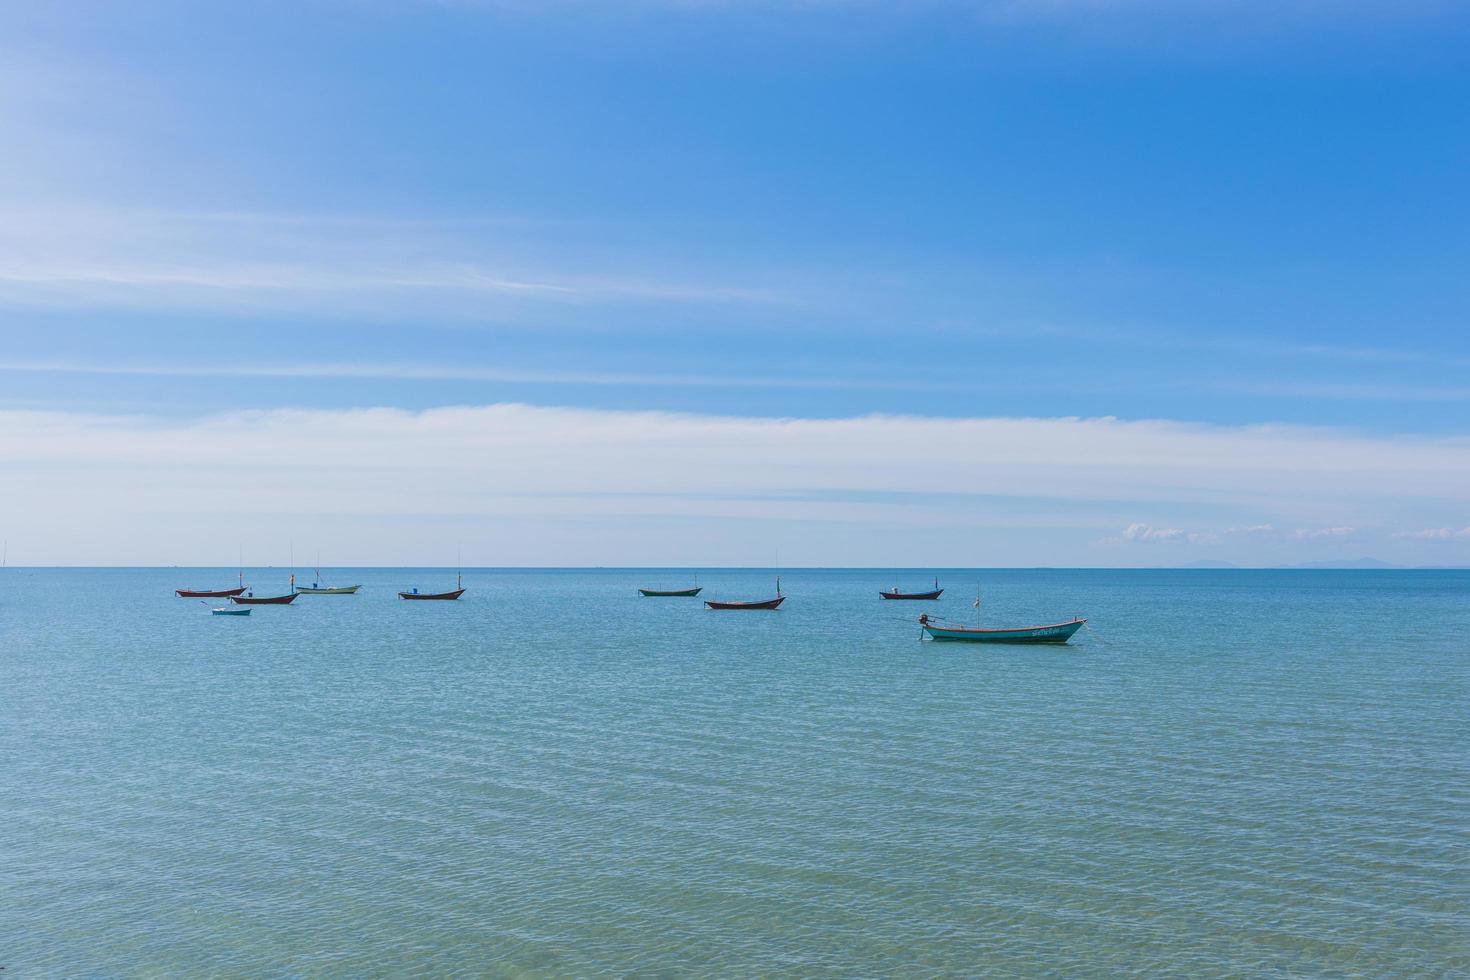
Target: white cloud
x=1310, y=533
x=1436, y=534
x=1140, y=533
x=95, y=475
x=1145, y=532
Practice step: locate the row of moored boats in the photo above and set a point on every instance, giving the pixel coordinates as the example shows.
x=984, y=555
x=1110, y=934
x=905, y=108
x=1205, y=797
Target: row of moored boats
x=242, y=598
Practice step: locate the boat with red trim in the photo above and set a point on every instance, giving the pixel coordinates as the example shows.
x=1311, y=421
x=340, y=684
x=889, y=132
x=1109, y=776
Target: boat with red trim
x=755, y=604
x=452, y=594
x=1050, y=633
x=208, y=593
x=264, y=600
x=895, y=594
x=213, y=593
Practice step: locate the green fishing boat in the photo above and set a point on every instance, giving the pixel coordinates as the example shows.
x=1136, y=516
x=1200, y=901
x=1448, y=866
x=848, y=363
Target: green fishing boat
x=1050, y=633
x=673, y=593
x=317, y=588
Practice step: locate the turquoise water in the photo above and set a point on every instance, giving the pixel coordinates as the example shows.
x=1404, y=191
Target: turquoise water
x=1237, y=773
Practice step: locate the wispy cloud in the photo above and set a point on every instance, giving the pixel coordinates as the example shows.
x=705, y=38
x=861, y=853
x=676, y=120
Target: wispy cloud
x=450, y=372
x=1310, y=533
x=1145, y=532
x=1436, y=534
x=1350, y=392
x=72, y=257
x=993, y=8
x=1140, y=533
x=553, y=463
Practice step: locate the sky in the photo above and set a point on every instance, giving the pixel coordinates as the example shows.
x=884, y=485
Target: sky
x=688, y=282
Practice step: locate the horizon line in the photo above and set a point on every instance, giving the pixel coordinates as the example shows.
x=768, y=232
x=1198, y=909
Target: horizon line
x=1316, y=566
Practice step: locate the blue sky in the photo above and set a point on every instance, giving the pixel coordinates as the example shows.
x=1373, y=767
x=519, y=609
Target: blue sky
x=1246, y=223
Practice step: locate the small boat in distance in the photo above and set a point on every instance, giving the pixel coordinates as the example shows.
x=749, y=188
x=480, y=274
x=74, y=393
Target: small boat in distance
x=895, y=594
x=756, y=604
x=231, y=611
x=264, y=600
x=685, y=593
x=455, y=594
x=1051, y=633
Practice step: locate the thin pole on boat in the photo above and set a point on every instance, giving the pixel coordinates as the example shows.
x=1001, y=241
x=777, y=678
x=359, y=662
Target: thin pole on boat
x=459, y=566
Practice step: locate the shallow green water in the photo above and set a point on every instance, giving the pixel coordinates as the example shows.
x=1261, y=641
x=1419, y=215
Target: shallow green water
x=1239, y=773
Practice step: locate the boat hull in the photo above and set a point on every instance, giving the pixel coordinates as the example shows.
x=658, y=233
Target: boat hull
x=911, y=595
x=232, y=611
x=209, y=593
x=671, y=594
x=267, y=600
x=762, y=604
x=338, y=590
x=1055, y=633
x=431, y=595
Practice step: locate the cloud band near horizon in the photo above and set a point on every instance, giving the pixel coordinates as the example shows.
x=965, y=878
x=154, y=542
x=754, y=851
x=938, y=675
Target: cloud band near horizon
x=1050, y=488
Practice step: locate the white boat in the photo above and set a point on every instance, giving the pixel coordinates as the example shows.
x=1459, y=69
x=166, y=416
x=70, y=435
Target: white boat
x=317, y=588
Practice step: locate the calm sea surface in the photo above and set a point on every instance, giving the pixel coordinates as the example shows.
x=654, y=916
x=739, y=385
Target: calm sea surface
x=1237, y=773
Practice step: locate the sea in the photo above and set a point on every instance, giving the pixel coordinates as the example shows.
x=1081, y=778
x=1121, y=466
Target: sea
x=1227, y=773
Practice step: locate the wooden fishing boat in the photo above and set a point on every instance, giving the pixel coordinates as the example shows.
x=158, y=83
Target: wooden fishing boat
x=432, y=595
x=214, y=593
x=895, y=594
x=265, y=600
x=232, y=611
x=756, y=604
x=760, y=604
x=1051, y=633
x=317, y=588
x=455, y=594
x=671, y=593
x=208, y=593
